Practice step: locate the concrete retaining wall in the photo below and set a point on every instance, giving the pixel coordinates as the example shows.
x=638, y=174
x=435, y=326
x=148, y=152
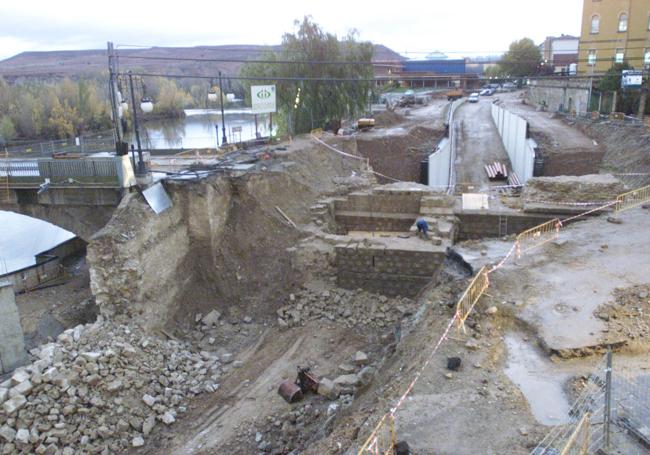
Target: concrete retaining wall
x=520, y=149
x=12, y=347
x=439, y=165
x=388, y=271
x=560, y=94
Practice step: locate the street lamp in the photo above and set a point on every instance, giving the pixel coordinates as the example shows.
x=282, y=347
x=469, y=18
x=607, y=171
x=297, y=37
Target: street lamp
x=224, y=139
x=146, y=104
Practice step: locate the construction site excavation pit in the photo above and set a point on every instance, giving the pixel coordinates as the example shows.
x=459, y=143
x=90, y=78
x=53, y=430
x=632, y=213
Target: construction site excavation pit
x=377, y=246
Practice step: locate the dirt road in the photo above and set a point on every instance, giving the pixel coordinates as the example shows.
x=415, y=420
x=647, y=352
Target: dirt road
x=478, y=144
x=557, y=136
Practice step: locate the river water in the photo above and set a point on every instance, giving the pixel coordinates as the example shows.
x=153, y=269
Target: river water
x=199, y=129
x=23, y=237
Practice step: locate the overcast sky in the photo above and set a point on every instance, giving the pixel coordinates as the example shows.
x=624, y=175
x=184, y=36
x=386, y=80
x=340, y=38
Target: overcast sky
x=468, y=27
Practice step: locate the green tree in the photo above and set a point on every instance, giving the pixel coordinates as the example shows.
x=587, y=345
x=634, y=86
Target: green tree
x=611, y=81
x=522, y=59
x=7, y=130
x=307, y=104
x=171, y=100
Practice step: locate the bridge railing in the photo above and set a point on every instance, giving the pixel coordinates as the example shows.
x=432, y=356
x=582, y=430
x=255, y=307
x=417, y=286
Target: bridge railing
x=103, y=171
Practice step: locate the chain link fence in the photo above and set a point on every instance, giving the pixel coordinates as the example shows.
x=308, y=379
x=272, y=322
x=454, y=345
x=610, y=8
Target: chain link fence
x=610, y=417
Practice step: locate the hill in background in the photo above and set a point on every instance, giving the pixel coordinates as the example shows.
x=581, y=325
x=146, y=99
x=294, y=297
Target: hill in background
x=72, y=64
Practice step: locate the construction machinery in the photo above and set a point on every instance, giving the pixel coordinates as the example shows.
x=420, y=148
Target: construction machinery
x=294, y=391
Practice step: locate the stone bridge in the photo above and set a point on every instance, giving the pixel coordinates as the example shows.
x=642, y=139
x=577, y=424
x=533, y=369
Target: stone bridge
x=78, y=195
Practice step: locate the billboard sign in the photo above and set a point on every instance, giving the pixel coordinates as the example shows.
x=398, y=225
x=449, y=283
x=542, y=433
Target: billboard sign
x=631, y=79
x=263, y=99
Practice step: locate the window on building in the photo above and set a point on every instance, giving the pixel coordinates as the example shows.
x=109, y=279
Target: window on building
x=646, y=57
x=591, y=59
x=620, y=55
x=622, y=22
x=649, y=22
x=595, y=24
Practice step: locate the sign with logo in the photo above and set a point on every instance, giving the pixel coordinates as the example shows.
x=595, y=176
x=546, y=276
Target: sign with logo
x=631, y=79
x=263, y=98
x=236, y=129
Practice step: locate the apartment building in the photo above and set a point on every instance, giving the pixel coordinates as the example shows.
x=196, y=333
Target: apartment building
x=614, y=31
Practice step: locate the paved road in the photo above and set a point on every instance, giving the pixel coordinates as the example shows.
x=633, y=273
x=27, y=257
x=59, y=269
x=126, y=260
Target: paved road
x=478, y=144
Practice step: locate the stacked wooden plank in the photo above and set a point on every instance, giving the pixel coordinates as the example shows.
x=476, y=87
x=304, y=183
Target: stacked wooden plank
x=497, y=171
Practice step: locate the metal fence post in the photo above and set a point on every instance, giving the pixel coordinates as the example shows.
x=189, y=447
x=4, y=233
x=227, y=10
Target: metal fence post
x=608, y=396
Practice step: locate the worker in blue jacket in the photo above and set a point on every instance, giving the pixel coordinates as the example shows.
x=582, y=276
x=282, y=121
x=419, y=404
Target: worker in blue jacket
x=423, y=228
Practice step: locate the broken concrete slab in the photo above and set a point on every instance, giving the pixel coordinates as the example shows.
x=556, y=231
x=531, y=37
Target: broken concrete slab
x=212, y=318
x=347, y=380
x=328, y=389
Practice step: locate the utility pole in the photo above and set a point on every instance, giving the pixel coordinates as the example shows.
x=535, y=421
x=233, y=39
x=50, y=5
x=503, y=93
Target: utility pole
x=608, y=397
x=135, y=127
x=115, y=102
x=224, y=139
x=642, y=100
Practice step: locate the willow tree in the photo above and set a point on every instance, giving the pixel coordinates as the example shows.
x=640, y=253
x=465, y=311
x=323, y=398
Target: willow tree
x=324, y=81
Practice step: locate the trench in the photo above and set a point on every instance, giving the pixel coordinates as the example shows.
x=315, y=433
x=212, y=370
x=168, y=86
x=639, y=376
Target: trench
x=538, y=379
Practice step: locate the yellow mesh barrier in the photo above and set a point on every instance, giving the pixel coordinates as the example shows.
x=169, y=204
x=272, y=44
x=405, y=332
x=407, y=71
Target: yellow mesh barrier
x=578, y=443
x=632, y=199
x=537, y=236
x=472, y=294
x=318, y=132
x=383, y=439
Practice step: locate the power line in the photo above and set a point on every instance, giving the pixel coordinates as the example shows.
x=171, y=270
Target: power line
x=291, y=62
x=401, y=77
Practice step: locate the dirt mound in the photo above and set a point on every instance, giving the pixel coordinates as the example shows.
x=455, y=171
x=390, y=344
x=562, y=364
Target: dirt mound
x=628, y=316
x=587, y=188
x=388, y=118
x=627, y=149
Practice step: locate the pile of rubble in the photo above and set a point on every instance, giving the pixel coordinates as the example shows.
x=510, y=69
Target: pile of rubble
x=100, y=388
x=628, y=317
x=344, y=306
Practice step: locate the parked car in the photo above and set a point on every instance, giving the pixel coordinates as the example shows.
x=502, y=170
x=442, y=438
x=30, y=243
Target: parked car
x=492, y=87
x=473, y=98
x=509, y=86
x=486, y=92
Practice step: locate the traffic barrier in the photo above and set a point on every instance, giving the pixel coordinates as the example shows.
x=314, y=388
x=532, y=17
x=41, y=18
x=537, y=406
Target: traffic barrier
x=383, y=439
x=537, y=236
x=472, y=294
x=632, y=199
